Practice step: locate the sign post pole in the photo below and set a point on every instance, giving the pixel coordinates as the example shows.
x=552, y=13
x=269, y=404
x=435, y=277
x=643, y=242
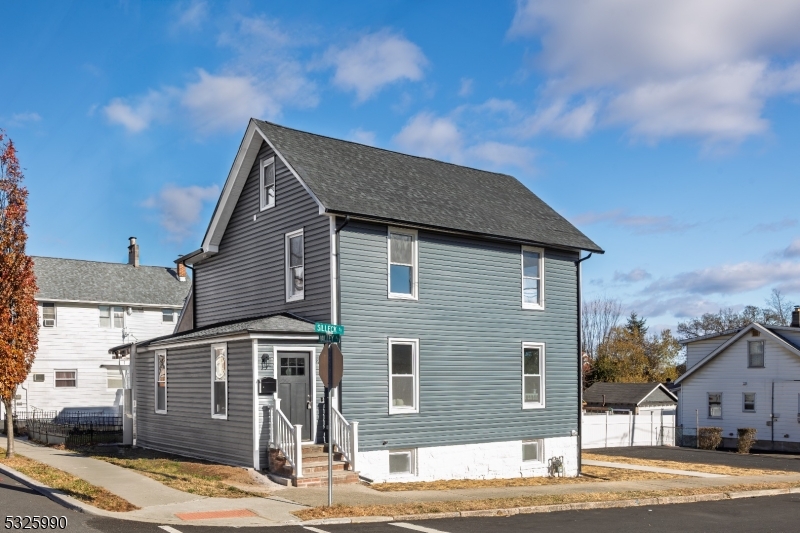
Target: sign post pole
x=331, y=375
x=330, y=426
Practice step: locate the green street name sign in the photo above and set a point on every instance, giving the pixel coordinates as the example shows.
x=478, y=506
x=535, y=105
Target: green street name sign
x=329, y=329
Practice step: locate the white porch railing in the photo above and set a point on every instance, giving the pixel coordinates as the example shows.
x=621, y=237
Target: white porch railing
x=288, y=439
x=344, y=434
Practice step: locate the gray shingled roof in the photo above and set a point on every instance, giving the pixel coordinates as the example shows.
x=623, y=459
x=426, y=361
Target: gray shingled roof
x=618, y=393
x=282, y=323
x=355, y=179
x=92, y=281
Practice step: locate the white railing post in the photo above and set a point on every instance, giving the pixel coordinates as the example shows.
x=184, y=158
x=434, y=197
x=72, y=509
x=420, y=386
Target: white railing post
x=298, y=451
x=353, y=444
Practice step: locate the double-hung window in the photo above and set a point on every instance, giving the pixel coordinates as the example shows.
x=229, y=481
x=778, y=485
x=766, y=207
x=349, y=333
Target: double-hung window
x=66, y=378
x=267, y=182
x=532, y=375
x=402, y=264
x=48, y=315
x=219, y=380
x=755, y=354
x=161, y=381
x=112, y=317
x=532, y=278
x=403, y=376
x=167, y=315
x=295, y=275
x=749, y=402
x=714, y=405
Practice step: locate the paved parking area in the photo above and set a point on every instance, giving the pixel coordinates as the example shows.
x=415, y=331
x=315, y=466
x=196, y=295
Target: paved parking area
x=789, y=463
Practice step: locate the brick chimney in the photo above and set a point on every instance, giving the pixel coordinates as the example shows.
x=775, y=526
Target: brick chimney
x=796, y=317
x=181, y=271
x=133, y=252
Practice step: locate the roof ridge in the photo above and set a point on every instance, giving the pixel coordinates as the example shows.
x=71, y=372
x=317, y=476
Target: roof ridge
x=99, y=262
x=388, y=150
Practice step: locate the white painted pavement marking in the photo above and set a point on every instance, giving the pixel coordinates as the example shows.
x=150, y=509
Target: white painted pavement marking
x=314, y=529
x=416, y=527
x=169, y=529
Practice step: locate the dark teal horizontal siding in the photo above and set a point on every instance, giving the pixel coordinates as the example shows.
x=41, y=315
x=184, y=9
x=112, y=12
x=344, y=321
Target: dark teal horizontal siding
x=470, y=325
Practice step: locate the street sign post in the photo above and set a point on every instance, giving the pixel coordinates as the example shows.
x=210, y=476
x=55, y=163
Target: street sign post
x=331, y=365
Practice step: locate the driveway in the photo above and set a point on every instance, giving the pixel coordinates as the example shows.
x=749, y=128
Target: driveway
x=786, y=462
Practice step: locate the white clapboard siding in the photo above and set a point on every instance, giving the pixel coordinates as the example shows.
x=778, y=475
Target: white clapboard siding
x=77, y=342
x=728, y=374
x=696, y=351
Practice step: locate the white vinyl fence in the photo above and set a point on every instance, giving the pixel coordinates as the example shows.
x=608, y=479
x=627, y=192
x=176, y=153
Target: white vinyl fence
x=648, y=428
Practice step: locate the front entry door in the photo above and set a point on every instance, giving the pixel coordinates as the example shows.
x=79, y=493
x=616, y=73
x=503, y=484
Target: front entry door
x=294, y=388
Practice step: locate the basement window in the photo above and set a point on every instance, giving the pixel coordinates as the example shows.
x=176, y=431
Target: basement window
x=532, y=450
x=401, y=462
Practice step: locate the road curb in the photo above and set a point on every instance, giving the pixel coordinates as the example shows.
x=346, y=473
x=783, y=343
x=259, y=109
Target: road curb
x=638, y=502
x=53, y=494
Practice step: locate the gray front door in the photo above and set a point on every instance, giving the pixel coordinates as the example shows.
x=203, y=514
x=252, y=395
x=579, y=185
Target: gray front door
x=294, y=388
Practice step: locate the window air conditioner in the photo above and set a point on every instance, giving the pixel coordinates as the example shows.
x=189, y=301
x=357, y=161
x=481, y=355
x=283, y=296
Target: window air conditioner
x=49, y=322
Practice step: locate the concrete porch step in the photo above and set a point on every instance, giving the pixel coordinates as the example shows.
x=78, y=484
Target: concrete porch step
x=339, y=478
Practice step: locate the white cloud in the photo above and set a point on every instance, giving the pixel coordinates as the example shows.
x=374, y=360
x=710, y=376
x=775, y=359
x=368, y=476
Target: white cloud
x=642, y=224
x=138, y=113
x=793, y=250
x=179, y=208
x=428, y=135
x=466, y=87
x=637, y=274
x=21, y=118
x=500, y=154
x=775, y=226
x=262, y=78
x=191, y=15
x=374, y=61
x=732, y=279
x=363, y=136
x=671, y=68
x=687, y=306
x=558, y=118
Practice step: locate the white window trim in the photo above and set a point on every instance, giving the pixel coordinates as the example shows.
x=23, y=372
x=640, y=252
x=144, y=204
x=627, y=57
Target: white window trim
x=55, y=378
x=166, y=381
x=214, y=347
x=755, y=398
x=414, y=262
x=539, y=451
x=708, y=407
x=111, y=316
x=763, y=354
x=55, y=315
x=527, y=305
x=395, y=410
x=533, y=405
x=171, y=313
x=263, y=201
x=412, y=471
x=288, y=270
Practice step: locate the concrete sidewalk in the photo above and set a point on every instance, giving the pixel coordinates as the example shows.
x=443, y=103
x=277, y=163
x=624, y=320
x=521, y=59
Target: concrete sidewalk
x=163, y=505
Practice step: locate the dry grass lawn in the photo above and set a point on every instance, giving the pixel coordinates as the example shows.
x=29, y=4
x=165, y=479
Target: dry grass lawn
x=696, y=467
x=590, y=474
x=67, y=483
x=182, y=473
x=412, y=508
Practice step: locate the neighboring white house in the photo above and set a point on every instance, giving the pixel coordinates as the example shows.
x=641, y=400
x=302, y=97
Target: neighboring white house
x=745, y=378
x=84, y=308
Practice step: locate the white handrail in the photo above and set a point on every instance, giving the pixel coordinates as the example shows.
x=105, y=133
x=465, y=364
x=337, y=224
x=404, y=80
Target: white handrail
x=288, y=438
x=344, y=434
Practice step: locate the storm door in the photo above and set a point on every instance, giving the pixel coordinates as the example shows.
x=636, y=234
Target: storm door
x=294, y=388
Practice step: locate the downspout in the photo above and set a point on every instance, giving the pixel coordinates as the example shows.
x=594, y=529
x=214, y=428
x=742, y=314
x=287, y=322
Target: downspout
x=194, y=296
x=337, y=319
x=580, y=362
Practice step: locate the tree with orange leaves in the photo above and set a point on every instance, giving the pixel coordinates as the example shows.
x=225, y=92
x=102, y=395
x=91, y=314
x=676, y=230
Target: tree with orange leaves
x=19, y=317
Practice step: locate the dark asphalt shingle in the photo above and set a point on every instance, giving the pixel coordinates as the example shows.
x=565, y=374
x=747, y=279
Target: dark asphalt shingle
x=617, y=393
x=355, y=179
x=92, y=281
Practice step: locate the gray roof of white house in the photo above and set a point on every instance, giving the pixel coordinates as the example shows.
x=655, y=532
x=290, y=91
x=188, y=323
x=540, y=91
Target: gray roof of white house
x=359, y=180
x=619, y=393
x=115, y=283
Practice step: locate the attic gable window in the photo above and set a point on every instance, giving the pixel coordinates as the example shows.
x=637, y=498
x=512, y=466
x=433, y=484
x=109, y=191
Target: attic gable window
x=532, y=278
x=755, y=354
x=267, y=183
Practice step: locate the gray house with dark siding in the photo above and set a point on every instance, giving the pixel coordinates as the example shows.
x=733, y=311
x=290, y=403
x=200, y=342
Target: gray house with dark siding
x=459, y=293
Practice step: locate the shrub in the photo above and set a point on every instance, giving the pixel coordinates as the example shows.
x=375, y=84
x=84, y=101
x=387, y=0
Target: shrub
x=747, y=437
x=709, y=438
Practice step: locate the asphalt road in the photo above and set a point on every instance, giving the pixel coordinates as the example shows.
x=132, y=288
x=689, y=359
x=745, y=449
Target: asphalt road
x=766, y=514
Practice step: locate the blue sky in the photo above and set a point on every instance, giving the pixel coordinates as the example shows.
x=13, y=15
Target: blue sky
x=666, y=131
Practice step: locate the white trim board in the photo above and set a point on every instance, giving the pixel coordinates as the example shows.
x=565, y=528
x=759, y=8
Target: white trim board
x=724, y=346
